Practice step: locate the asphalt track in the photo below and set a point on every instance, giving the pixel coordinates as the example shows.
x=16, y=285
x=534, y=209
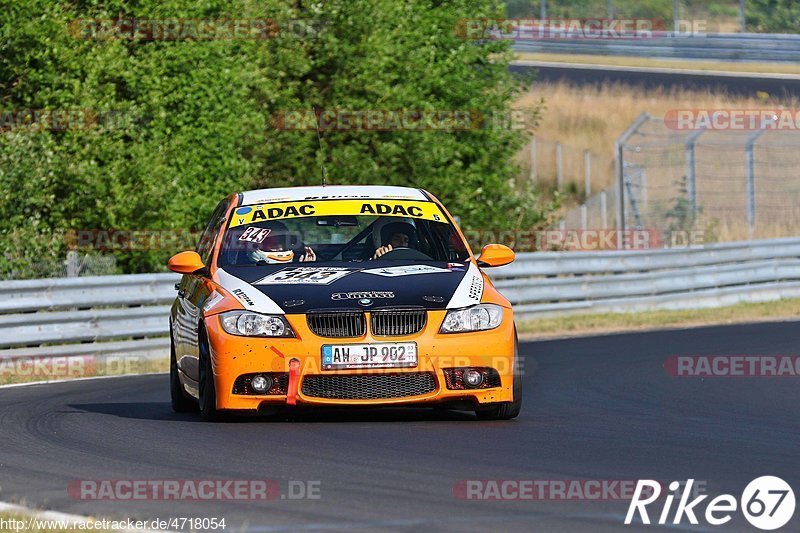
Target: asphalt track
x=741, y=84
x=594, y=408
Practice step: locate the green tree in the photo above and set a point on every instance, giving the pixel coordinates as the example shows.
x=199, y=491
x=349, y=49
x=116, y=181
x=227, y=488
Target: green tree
x=195, y=116
x=773, y=16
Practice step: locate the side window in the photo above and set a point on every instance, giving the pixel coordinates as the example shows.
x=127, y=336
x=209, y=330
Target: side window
x=206, y=244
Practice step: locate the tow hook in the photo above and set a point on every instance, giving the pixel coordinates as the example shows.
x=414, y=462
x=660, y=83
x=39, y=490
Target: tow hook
x=294, y=380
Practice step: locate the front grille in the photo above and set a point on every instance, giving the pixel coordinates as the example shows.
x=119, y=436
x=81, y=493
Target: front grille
x=337, y=323
x=397, y=322
x=368, y=386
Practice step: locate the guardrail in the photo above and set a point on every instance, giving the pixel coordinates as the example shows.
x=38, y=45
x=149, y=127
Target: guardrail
x=90, y=316
x=718, y=46
x=123, y=315
x=557, y=283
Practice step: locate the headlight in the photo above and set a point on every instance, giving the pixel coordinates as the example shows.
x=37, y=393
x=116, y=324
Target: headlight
x=249, y=324
x=476, y=318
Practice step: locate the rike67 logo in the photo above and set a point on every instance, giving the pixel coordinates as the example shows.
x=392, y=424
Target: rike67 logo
x=767, y=503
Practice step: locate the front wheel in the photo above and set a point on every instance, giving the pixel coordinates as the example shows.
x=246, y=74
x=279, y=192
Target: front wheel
x=179, y=400
x=507, y=410
x=207, y=390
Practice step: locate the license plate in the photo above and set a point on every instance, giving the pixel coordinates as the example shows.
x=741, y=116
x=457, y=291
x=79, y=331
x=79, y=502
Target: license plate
x=382, y=355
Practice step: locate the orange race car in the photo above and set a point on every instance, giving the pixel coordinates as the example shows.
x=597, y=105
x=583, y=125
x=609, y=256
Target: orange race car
x=340, y=296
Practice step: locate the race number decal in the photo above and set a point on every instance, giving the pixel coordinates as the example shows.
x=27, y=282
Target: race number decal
x=304, y=275
x=255, y=234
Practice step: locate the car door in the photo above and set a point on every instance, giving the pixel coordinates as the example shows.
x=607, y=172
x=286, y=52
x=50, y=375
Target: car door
x=192, y=294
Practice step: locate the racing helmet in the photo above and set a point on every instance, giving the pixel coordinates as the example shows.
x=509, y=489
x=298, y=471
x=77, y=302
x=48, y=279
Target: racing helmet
x=272, y=242
x=385, y=227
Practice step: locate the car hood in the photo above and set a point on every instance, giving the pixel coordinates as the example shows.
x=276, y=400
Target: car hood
x=302, y=287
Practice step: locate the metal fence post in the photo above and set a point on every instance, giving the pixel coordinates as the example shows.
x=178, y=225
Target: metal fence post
x=676, y=20
x=643, y=188
x=619, y=167
x=742, y=19
x=543, y=9
x=584, y=216
x=587, y=172
x=533, y=159
x=610, y=9
x=750, y=180
x=559, y=167
x=73, y=264
x=691, y=166
x=604, y=209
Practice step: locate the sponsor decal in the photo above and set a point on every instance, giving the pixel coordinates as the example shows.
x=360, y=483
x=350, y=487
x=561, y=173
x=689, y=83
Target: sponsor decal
x=305, y=275
x=359, y=295
x=242, y=297
x=408, y=270
x=255, y=234
x=286, y=210
x=254, y=298
x=456, y=267
x=469, y=291
x=213, y=300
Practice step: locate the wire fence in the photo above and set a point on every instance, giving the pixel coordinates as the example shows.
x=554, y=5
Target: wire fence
x=730, y=185
x=74, y=265
x=557, y=166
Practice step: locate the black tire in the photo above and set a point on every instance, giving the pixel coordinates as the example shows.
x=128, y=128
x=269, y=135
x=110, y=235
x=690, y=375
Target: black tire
x=181, y=403
x=206, y=388
x=507, y=410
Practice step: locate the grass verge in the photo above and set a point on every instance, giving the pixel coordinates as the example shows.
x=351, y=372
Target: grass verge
x=591, y=324
x=623, y=61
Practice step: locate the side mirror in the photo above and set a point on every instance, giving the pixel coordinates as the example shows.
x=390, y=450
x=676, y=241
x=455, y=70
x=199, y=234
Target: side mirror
x=186, y=263
x=495, y=255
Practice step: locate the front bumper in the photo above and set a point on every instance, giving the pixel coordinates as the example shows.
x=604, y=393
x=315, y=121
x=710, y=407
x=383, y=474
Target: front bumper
x=233, y=356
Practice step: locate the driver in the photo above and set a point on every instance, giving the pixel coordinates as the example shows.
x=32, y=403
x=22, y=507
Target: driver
x=396, y=235
x=273, y=244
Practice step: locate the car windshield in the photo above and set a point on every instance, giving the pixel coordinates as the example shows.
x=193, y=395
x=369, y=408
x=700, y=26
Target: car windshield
x=340, y=231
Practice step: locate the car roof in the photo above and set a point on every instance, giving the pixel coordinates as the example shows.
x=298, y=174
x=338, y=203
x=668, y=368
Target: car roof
x=318, y=192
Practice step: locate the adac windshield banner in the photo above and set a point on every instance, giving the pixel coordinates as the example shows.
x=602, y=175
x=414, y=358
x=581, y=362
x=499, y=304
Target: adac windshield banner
x=251, y=214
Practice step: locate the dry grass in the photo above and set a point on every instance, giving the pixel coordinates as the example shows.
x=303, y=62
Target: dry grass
x=593, y=117
x=623, y=61
x=620, y=322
